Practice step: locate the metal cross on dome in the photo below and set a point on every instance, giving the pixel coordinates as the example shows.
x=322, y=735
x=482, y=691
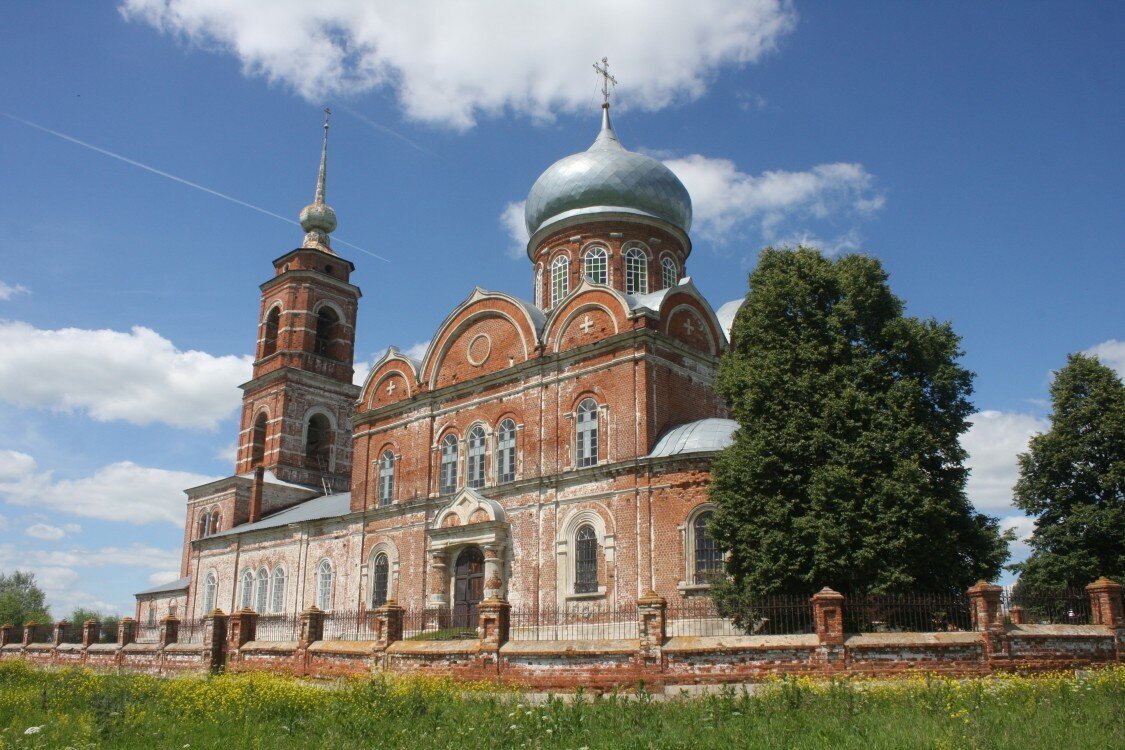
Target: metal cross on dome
x=603, y=71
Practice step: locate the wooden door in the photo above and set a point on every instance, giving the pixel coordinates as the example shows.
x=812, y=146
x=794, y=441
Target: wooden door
x=468, y=587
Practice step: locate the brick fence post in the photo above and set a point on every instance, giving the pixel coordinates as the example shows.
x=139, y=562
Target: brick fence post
x=312, y=626
x=169, y=630
x=60, y=630
x=1016, y=615
x=28, y=633
x=984, y=602
x=241, y=627
x=126, y=631
x=388, y=617
x=651, y=627
x=7, y=634
x=828, y=618
x=1107, y=608
x=494, y=619
x=91, y=632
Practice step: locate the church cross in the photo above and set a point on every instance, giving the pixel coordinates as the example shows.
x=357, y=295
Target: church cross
x=689, y=326
x=391, y=387
x=587, y=324
x=603, y=71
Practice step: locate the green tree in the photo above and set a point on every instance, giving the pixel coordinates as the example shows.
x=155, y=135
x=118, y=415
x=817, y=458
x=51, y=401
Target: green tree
x=21, y=600
x=846, y=469
x=1072, y=481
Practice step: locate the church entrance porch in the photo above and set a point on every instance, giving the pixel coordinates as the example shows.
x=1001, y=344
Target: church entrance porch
x=468, y=587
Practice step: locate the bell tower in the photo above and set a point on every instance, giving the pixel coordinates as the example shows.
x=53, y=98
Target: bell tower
x=297, y=409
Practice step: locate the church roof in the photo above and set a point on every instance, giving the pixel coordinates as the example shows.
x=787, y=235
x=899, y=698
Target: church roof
x=726, y=314
x=180, y=584
x=704, y=436
x=325, y=506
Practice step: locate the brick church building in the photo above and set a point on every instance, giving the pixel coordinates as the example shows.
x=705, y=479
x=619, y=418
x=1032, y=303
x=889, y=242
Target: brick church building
x=551, y=453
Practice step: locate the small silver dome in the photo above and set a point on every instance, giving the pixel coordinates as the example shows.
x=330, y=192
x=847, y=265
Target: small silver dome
x=318, y=216
x=607, y=178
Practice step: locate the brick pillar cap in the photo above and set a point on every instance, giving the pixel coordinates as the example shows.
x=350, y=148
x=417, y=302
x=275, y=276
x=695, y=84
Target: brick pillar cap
x=313, y=610
x=126, y=619
x=1103, y=583
x=216, y=612
x=91, y=621
x=7, y=625
x=983, y=585
x=170, y=618
x=651, y=597
x=494, y=601
x=63, y=622
x=246, y=611
x=827, y=593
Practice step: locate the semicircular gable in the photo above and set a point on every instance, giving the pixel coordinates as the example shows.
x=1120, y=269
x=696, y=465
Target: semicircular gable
x=689, y=319
x=391, y=379
x=589, y=314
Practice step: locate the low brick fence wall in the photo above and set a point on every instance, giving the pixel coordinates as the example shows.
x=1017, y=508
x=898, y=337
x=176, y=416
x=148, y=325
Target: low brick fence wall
x=658, y=653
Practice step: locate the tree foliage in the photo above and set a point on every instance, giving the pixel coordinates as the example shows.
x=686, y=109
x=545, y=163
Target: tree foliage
x=846, y=469
x=21, y=600
x=1072, y=480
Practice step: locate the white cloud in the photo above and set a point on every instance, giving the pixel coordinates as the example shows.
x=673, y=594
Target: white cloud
x=7, y=291
x=362, y=369
x=1111, y=353
x=728, y=202
x=512, y=220
x=164, y=576
x=450, y=62
x=139, y=377
x=45, y=531
x=121, y=491
x=993, y=442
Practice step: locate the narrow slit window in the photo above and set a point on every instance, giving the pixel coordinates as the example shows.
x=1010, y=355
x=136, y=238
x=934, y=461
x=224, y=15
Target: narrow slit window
x=560, y=279
x=585, y=560
x=386, y=479
x=380, y=572
x=708, y=557
x=506, y=452
x=586, y=442
x=448, y=464
x=475, y=467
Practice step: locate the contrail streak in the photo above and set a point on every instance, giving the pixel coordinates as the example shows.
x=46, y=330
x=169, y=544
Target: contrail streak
x=385, y=129
x=174, y=178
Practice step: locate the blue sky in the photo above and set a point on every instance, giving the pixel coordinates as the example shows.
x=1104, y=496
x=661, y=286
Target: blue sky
x=976, y=149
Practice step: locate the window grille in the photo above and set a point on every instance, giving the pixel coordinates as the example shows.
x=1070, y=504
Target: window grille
x=324, y=585
x=586, y=560
x=380, y=573
x=596, y=265
x=708, y=557
x=670, y=271
x=475, y=468
x=587, y=433
x=560, y=279
x=506, y=452
x=636, y=271
x=247, y=590
x=261, y=591
x=277, y=603
x=448, y=464
x=386, y=479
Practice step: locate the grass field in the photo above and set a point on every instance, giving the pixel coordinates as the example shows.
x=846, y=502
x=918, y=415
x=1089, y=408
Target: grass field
x=81, y=709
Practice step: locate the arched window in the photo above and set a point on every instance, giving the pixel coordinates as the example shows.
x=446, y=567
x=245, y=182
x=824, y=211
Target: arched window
x=636, y=271
x=326, y=323
x=261, y=591
x=258, y=441
x=506, y=451
x=560, y=279
x=474, y=469
x=269, y=336
x=210, y=588
x=318, y=441
x=380, y=579
x=595, y=265
x=324, y=577
x=213, y=524
x=201, y=527
x=586, y=560
x=152, y=614
x=708, y=557
x=386, y=478
x=246, y=600
x=448, y=464
x=277, y=592
x=539, y=287
x=586, y=433
x=670, y=272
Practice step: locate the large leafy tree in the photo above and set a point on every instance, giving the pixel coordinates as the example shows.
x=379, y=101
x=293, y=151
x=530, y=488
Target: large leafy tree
x=1072, y=480
x=846, y=469
x=21, y=600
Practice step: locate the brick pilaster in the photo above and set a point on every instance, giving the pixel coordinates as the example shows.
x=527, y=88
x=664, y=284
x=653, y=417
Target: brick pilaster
x=651, y=630
x=1106, y=608
x=389, y=619
x=495, y=616
x=215, y=638
x=984, y=598
x=828, y=616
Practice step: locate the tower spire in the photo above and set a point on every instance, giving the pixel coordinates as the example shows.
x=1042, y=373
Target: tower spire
x=607, y=138
x=318, y=219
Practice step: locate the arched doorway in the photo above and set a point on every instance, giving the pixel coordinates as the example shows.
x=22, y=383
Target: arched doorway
x=468, y=587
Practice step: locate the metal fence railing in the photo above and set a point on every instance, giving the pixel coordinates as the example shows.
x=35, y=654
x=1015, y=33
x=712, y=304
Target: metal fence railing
x=351, y=626
x=772, y=615
x=191, y=631
x=437, y=625
x=278, y=627
x=1048, y=606
x=574, y=622
x=147, y=633
x=70, y=633
x=919, y=613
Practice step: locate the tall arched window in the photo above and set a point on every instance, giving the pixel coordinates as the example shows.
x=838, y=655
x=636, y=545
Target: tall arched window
x=386, y=479
x=670, y=271
x=539, y=287
x=586, y=560
x=636, y=271
x=318, y=441
x=560, y=279
x=595, y=265
x=202, y=527
x=210, y=588
x=474, y=468
x=448, y=464
x=258, y=441
x=277, y=592
x=326, y=324
x=380, y=579
x=261, y=590
x=213, y=524
x=506, y=451
x=708, y=557
x=586, y=433
x=246, y=600
x=269, y=336
x=324, y=577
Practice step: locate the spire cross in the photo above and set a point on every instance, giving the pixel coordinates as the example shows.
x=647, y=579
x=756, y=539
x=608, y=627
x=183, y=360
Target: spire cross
x=319, y=198
x=603, y=71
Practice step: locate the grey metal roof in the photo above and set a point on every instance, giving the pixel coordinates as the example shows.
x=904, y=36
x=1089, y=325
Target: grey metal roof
x=726, y=314
x=706, y=435
x=326, y=506
x=269, y=477
x=180, y=584
x=607, y=178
